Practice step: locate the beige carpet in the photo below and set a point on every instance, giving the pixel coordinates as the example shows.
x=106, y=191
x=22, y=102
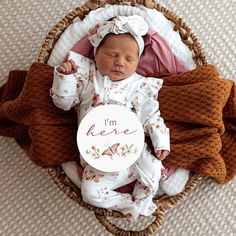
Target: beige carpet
x=30, y=204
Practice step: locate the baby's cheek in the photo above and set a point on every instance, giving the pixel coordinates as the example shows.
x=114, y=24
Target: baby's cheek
x=108, y=61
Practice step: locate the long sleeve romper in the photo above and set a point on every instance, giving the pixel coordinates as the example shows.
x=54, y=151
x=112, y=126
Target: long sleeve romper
x=86, y=89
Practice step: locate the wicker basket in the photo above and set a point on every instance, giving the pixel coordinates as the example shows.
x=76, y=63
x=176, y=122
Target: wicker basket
x=57, y=174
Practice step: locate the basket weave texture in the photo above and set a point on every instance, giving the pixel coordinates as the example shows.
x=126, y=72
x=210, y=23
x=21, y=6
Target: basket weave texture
x=57, y=174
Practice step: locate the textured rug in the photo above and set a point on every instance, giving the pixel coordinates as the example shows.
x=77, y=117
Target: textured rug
x=31, y=204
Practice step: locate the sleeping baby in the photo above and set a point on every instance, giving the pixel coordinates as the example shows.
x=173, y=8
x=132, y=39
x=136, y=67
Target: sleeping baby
x=111, y=79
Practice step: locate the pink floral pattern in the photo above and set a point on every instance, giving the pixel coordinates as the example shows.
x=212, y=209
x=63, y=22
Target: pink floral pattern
x=115, y=149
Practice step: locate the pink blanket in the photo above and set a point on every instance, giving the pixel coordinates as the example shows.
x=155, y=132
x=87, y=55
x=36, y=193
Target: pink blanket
x=157, y=55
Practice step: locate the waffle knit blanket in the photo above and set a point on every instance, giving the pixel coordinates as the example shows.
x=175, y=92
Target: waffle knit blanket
x=198, y=106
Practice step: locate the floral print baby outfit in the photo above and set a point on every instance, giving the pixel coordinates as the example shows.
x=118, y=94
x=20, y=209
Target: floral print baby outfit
x=86, y=89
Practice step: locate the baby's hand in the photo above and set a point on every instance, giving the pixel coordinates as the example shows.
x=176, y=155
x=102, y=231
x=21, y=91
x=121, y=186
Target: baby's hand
x=162, y=154
x=67, y=68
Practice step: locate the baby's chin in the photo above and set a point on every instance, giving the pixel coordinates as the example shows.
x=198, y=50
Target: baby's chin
x=116, y=79
x=116, y=76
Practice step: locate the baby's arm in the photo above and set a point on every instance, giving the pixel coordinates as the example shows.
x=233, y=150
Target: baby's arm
x=154, y=125
x=68, y=82
x=64, y=87
x=147, y=109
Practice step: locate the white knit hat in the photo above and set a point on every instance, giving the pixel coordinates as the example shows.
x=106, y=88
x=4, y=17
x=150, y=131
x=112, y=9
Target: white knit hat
x=135, y=25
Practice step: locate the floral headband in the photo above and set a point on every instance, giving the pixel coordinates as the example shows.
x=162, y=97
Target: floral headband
x=135, y=25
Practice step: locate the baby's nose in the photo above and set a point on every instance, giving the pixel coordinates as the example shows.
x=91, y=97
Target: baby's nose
x=119, y=61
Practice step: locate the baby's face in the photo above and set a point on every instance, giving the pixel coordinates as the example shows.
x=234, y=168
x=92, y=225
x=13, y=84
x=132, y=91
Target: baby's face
x=117, y=56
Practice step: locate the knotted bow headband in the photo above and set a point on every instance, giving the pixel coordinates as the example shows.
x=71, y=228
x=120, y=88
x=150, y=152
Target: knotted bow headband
x=135, y=25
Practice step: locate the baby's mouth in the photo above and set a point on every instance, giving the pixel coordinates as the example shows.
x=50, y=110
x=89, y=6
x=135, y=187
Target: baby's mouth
x=117, y=72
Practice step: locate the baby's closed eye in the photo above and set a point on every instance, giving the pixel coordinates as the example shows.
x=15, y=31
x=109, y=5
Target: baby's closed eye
x=130, y=59
x=111, y=54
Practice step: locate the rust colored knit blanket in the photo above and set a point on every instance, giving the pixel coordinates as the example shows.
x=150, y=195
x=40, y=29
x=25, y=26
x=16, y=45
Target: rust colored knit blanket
x=197, y=106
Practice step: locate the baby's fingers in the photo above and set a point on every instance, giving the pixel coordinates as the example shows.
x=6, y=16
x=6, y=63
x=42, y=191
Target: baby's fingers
x=162, y=154
x=158, y=154
x=67, y=67
x=73, y=66
x=61, y=69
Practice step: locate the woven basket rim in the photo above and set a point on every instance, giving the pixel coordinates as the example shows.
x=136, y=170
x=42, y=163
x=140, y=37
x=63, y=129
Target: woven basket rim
x=187, y=35
x=57, y=174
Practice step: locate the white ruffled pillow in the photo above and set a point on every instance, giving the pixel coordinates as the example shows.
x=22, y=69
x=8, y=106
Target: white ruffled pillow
x=156, y=20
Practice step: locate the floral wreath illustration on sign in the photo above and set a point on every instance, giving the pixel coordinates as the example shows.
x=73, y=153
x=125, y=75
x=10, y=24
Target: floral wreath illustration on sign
x=112, y=150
